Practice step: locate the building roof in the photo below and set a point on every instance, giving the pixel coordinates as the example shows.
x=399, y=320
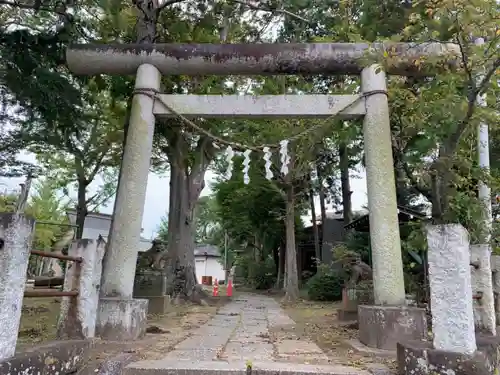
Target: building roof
x=91, y=214
x=202, y=250
x=339, y=215
x=404, y=214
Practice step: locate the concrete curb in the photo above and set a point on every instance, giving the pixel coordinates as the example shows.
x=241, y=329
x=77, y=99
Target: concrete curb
x=185, y=367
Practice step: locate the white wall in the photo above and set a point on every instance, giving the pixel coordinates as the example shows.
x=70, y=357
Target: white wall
x=209, y=267
x=100, y=224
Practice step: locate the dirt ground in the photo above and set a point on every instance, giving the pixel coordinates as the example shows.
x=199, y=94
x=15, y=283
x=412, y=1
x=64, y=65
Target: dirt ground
x=39, y=325
x=318, y=321
x=38, y=321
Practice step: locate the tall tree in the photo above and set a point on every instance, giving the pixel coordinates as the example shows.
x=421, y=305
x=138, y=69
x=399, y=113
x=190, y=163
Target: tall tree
x=83, y=157
x=437, y=117
x=188, y=150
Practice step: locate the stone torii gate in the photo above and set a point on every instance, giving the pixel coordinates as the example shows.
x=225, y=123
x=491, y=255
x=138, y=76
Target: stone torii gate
x=382, y=325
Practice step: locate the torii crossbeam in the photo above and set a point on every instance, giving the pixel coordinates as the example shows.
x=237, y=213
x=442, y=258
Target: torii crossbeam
x=252, y=59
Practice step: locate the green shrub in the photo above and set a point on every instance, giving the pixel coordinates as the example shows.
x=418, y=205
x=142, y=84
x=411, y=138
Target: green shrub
x=243, y=264
x=326, y=285
x=261, y=275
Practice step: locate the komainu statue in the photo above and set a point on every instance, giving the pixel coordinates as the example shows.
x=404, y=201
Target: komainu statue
x=358, y=271
x=154, y=258
x=181, y=278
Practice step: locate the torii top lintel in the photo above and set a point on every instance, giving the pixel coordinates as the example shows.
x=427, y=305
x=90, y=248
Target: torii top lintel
x=255, y=59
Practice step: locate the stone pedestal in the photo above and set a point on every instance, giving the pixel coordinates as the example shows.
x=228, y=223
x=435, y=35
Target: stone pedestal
x=382, y=327
x=122, y=319
x=420, y=358
x=349, y=309
x=15, y=246
x=77, y=317
x=157, y=304
x=150, y=284
x=495, y=270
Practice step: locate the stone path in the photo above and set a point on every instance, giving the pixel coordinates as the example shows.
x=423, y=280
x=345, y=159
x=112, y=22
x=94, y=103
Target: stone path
x=240, y=332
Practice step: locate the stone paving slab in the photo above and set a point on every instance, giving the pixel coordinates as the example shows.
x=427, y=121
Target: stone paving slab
x=298, y=347
x=234, y=351
x=193, y=355
x=202, y=342
x=186, y=367
x=300, y=351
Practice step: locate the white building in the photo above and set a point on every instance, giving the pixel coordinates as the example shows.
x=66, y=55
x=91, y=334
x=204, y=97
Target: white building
x=99, y=224
x=208, y=259
x=209, y=262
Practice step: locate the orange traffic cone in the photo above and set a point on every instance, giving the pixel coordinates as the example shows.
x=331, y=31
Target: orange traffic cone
x=215, y=290
x=229, y=289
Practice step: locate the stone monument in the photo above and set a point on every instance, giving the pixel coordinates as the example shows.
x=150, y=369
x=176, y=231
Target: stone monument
x=456, y=347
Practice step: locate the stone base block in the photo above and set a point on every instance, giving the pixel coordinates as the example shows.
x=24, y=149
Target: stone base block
x=59, y=357
x=346, y=315
x=383, y=327
x=122, y=319
x=419, y=358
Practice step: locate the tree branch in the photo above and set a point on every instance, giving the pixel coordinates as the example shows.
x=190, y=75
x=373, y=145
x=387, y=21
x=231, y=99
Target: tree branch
x=474, y=91
x=36, y=6
x=427, y=193
x=102, y=198
x=269, y=9
x=97, y=166
x=168, y=3
x=487, y=77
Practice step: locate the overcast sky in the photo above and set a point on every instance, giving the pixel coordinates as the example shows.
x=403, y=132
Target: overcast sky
x=158, y=192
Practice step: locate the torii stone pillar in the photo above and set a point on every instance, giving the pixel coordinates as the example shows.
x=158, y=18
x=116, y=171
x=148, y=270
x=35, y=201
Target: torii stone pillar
x=120, y=317
x=388, y=280
x=390, y=320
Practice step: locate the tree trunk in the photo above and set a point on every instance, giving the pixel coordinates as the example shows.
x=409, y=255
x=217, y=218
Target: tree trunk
x=276, y=259
x=292, y=278
x=322, y=205
x=256, y=248
x=346, y=186
x=180, y=264
x=81, y=208
x=281, y=265
x=441, y=177
x=401, y=193
x=317, y=248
